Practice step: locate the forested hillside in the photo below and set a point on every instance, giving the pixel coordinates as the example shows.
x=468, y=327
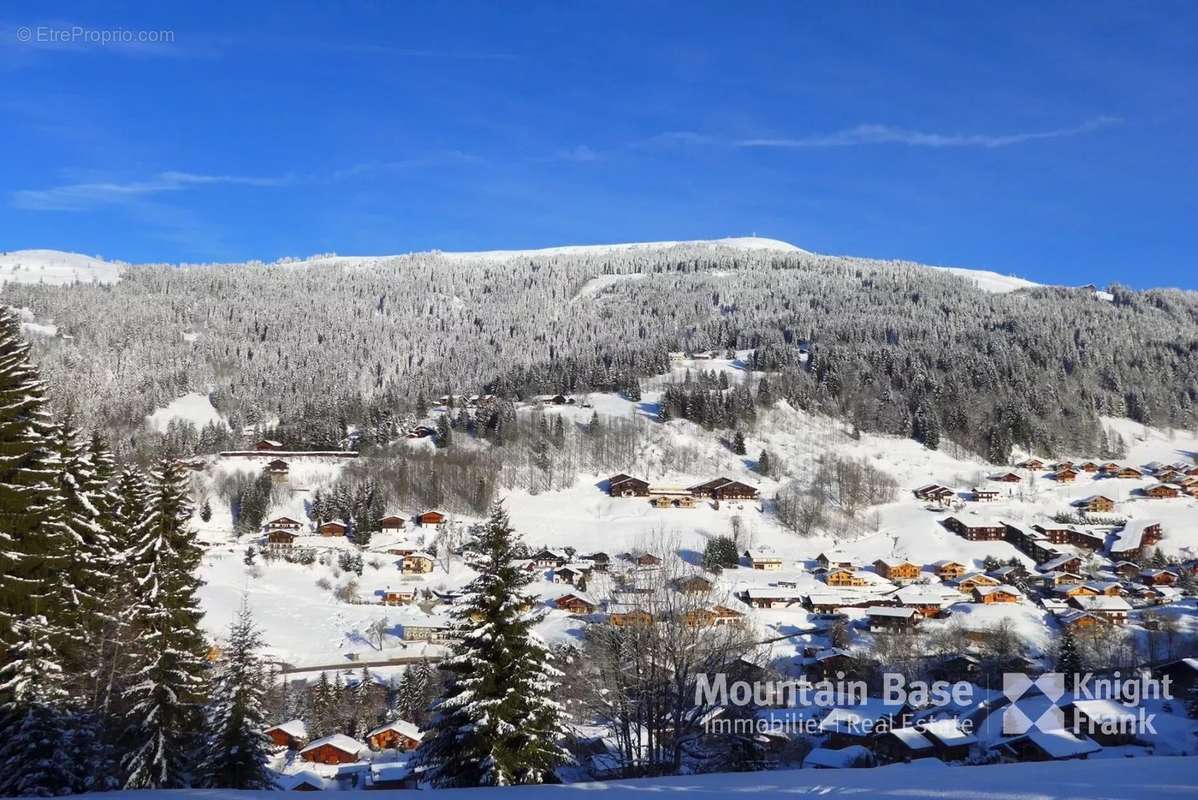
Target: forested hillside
x=894, y=347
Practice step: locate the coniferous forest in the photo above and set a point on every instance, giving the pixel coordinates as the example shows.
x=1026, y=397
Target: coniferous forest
x=891, y=347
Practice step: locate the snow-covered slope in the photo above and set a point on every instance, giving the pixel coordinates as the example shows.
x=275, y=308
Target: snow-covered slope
x=733, y=243
x=56, y=267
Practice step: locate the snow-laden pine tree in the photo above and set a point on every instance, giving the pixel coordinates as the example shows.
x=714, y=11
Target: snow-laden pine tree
x=497, y=723
x=35, y=758
x=31, y=552
x=165, y=695
x=235, y=749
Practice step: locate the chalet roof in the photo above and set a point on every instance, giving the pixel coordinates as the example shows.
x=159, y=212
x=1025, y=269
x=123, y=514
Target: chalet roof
x=836, y=759
x=1101, y=711
x=422, y=555
x=985, y=591
x=928, y=595
x=402, y=727
x=1102, y=603
x=270, y=442
x=295, y=728
x=772, y=593
x=1131, y=536
x=1053, y=564
x=583, y=596
x=338, y=740
x=948, y=562
x=1060, y=743
x=949, y=732
x=892, y=613
x=896, y=562
x=390, y=771
x=1152, y=573
x=766, y=557
x=289, y=783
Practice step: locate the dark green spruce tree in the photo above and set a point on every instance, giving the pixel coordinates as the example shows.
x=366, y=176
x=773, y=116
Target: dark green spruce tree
x=165, y=695
x=236, y=749
x=497, y=723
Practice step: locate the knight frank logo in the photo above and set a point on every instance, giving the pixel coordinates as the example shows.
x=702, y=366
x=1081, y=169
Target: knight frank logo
x=1015, y=685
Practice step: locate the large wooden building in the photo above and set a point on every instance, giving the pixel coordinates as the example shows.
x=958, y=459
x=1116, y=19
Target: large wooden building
x=396, y=735
x=724, y=489
x=622, y=485
x=975, y=531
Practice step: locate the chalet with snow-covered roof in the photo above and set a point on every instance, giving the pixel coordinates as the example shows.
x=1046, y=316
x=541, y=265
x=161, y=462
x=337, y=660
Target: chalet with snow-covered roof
x=975, y=530
x=1032, y=463
x=1056, y=533
x=571, y=573
x=949, y=570
x=931, y=601
x=266, y=445
x=951, y=741
x=984, y=495
x=622, y=485
x=391, y=776
x=400, y=596
x=1007, y=477
x=396, y=735
x=1062, y=563
x=1112, y=609
x=694, y=584
x=766, y=563
x=724, y=489
x=280, y=539
x=430, y=519
x=828, y=561
x=1131, y=541
x=625, y=615
x=392, y=523
x=897, y=570
x=1129, y=472
x=284, y=523
x=1065, y=581
x=418, y=563
x=576, y=603
x=671, y=497
x=599, y=561
x=990, y=595
x=335, y=749
x=886, y=619
x=1090, y=466
x=844, y=577
x=292, y=734
x=1161, y=491
x=1096, y=504
x=1067, y=475
x=1158, y=577
x=550, y=559
x=425, y=629
x=709, y=617
x=975, y=579
x=935, y=493
x=646, y=560
x=772, y=597
x=332, y=528
x=277, y=466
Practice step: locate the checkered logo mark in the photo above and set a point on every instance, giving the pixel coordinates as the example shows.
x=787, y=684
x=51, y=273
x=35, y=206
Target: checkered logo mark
x=1015, y=685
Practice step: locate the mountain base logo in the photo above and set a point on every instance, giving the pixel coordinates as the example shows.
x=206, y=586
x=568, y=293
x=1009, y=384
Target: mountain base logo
x=1111, y=706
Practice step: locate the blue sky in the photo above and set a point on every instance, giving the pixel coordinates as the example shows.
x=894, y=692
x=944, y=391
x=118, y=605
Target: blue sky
x=1025, y=138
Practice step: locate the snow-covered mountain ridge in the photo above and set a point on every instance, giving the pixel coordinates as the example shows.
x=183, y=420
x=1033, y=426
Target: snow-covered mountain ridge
x=58, y=267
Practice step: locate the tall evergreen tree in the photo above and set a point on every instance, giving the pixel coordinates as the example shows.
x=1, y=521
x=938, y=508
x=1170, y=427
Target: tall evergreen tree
x=497, y=723
x=236, y=749
x=165, y=697
x=34, y=756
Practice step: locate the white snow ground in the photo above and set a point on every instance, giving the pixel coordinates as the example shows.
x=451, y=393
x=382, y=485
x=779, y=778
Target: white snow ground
x=1154, y=778
x=195, y=408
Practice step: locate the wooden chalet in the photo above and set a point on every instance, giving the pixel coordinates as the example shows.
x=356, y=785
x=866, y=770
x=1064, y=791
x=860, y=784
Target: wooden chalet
x=284, y=523
x=646, y=560
x=1112, y=609
x=672, y=498
x=418, y=563
x=948, y=570
x=896, y=569
x=949, y=740
x=430, y=518
x=694, y=584
x=391, y=776
x=391, y=523
x=970, y=582
x=935, y=493
x=887, y=619
x=1097, y=504
x=771, y=597
x=990, y=595
x=332, y=528
x=1090, y=466
x=292, y=734
x=277, y=469
x=266, y=445
x=844, y=577
x=975, y=531
x=827, y=562
x=1007, y=477
x=576, y=603
x=397, y=735
x=428, y=629
x=573, y=574
x=550, y=559
x=335, y=749
x=1056, y=533
x=1129, y=472
x=1032, y=463
x=1163, y=491
x=1067, y=475
x=1134, y=538
x=402, y=596
x=1062, y=563
x=724, y=489
x=1158, y=577
x=1127, y=569
x=716, y=615
x=983, y=495
x=626, y=616
x=622, y=485
x=280, y=538
x=599, y=561
x=766, y=563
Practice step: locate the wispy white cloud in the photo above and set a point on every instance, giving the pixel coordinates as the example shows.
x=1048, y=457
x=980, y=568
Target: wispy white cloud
x=437, y=159
x=87, y=196
x=888, y=134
